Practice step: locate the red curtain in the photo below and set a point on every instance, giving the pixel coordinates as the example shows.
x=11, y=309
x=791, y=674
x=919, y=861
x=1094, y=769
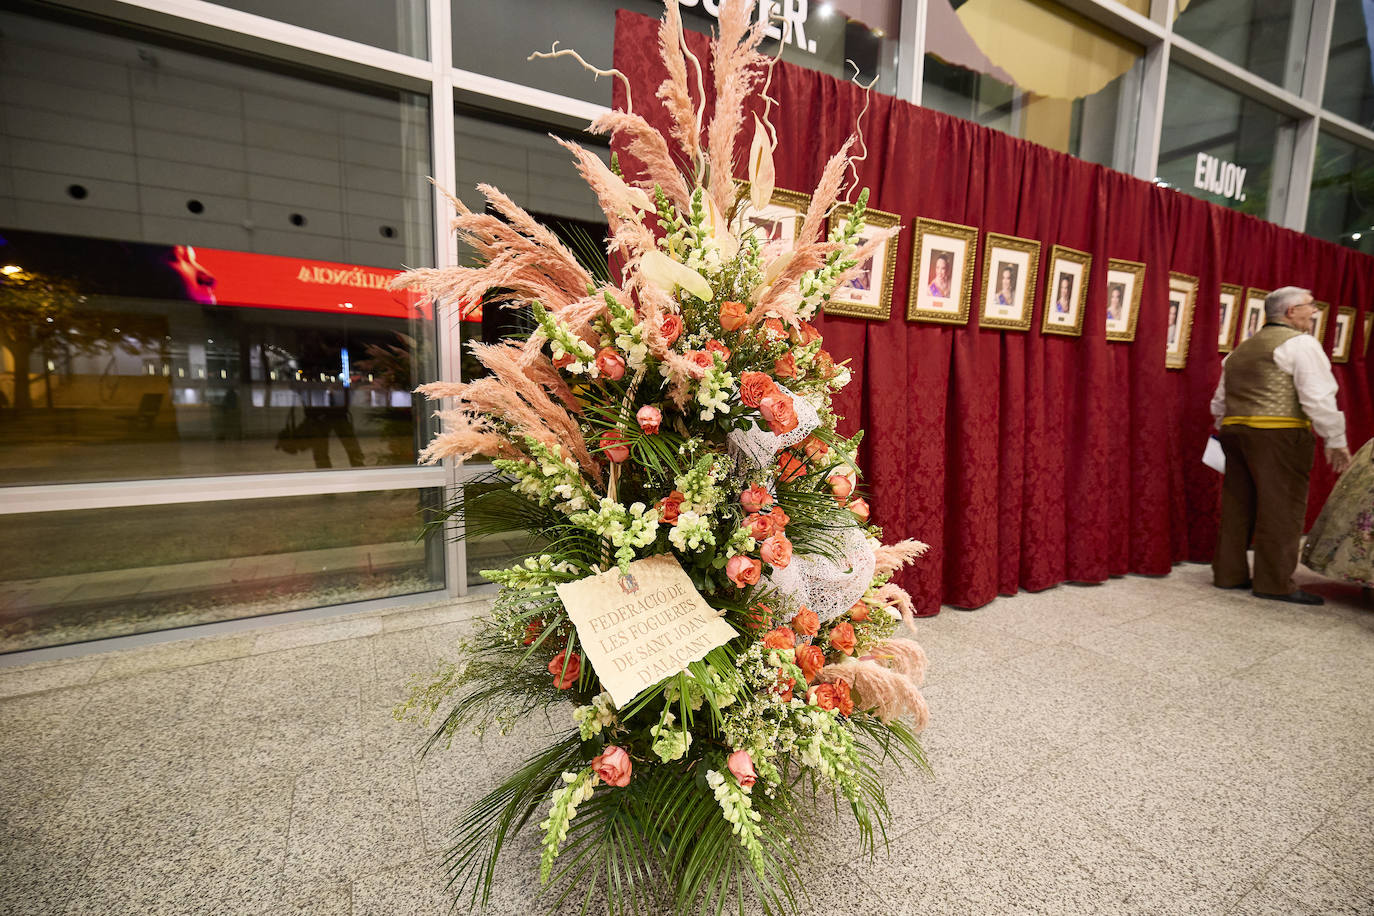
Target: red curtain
x=1023, y=459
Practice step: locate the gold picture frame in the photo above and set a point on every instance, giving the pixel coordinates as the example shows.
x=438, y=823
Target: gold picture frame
x=1125, y=285
x=1007, y=257
x=856, y=298
x=776, y=225
x=1253, y=312
x=1064, y=308
x=1320, y=321
x=942, y=295
x=1231, y=302
x=1179, y=330
x=1344, y=334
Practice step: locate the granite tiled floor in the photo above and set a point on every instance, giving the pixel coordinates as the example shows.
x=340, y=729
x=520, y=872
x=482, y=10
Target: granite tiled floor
x=1147, y=746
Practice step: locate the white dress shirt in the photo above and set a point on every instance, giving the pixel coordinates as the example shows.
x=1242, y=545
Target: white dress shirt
x=1303, y=358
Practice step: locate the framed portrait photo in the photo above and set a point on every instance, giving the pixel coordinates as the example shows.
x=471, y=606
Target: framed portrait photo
x=867, y=294
x=1182, y=297
x=1368, y=326
x=1345, y=334
x=1011, y=266
x=1252, y=316
x=942, y=272
x=1066, y=291
x=1228, y=308
x=776, y=225
x=1125, y=282
x=1320, y=321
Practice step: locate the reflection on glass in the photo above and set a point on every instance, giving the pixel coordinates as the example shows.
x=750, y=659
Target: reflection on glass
x=124, y=360
x=1220, y=146
x=821, y=36
x=1349, y=88
x=81, y=575
x=1341, y=206
x=395, y=25
x=1259, y=35
x=1038, y=72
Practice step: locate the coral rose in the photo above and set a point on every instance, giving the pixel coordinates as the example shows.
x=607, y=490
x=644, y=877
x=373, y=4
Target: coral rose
x=774, y=329
x=845, y=702
x=563, y=361
x=610, y=364
x=842, y=638
x=776, y=551
x=563, y=679
x=671, y=328
x=532, y=631
x=754, y=387
x=614, y=446
x=743, y=571
x=807, y=332
x=742, y=767
x=715, y=346
x=732, y=315
x=781, y=638
x=760, y=526
x=825, y=364
x=810, y=659
x=778, y=412
x=806, y=622
x=860, y=508
x=758, y=616
x=859, y=612
x=785, y=366
x=650, y=418
x=790, y=467
x=702, y=360
x=842, y=482
x=784, y=687
x=613, y=766
x=756, y=497
x=777, y=520
x=823, y=695
x=670, y=506
x=814, y=448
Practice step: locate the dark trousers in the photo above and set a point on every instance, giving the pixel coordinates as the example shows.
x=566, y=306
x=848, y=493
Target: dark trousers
x=1264, y=499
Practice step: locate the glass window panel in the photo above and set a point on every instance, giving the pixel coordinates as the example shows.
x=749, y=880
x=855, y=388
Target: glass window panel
x=393, y=25
x=1341, y=206
x=1221, y=146
x=1349, y=89
x=1263, y=36
x=203, y=248
x=1038, y=72
x=824, y=37
x=90, y=574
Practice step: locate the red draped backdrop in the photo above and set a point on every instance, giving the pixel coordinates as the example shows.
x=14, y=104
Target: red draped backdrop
x=1023, y=459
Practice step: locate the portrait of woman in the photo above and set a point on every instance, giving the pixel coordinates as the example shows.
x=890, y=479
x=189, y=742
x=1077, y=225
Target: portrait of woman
x=1063, y=297
x=1116, y=299
x=1173, y=323
x=1006, y=283
x=940, y=274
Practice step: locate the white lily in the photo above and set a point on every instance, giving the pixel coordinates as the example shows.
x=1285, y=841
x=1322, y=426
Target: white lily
x=762, y=176
x=720, y=231
x=667, y=274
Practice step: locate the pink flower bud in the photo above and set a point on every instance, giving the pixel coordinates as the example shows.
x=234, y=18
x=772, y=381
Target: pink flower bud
x=742, y=768
x=610, y=364
x=613, y=766
x=860, y=508
x=650, y=419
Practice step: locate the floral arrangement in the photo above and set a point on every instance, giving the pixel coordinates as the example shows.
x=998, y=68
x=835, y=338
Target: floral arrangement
x=682, y=408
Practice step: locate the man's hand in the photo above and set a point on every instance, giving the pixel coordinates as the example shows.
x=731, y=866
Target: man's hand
x=1338, y=458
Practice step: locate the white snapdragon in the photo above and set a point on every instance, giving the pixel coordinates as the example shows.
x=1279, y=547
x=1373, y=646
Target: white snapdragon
x=593, y=719
x=577, y=788
x=533, y=571
x=692, y=532
x=736, y=807
x=713, y=394
x=670, y=743
x=563, y=342
x=626, y=528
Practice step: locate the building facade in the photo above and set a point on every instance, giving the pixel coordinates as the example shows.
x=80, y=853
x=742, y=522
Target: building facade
x=206, y=407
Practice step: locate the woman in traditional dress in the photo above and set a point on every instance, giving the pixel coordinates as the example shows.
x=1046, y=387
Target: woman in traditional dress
x=1341, y=542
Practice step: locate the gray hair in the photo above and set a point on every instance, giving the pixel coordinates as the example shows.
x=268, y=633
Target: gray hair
x=1277, y=303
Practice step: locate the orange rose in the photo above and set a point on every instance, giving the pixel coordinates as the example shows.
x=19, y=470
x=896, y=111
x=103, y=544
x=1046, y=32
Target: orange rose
x=743, y=571
x=807, y=332
x=842, y=483
x=860, y=508
x=806, y=622
x=565, y=669
x=785, y=366
x=814, y=448
x=610, y=364
x=784, y=687
x=756, y=497
x=613, y=766
x=701, y=359
x=774, y=329
x=843, y=699
x=777, y=520
x=825, y=364
x=732, y=315
x=532, y=631
x=614, y=446
x=715, y=346
x=781, y=638
x=760, y=528
x=754, y=387
x=778, y=412
x=776, y=551
x=823, y=695
x=758, y=616
x=842, y=638
x=859, y=612
x=670, y=506
x=810, y=659
x=671, y=328
x=790, y=467
x=563, y=361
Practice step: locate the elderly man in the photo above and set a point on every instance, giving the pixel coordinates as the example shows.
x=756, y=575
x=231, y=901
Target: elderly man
x=1275, y=388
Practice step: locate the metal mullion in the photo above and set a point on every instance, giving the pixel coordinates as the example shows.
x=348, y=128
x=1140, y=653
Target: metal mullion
x=265, y=37
x=1224, y=73
x=173, y=490
x=1305, y=137
x=482, y=91
x=1154, y=76
x=1347, y=130
x=911, y=50
x=1118, y=19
